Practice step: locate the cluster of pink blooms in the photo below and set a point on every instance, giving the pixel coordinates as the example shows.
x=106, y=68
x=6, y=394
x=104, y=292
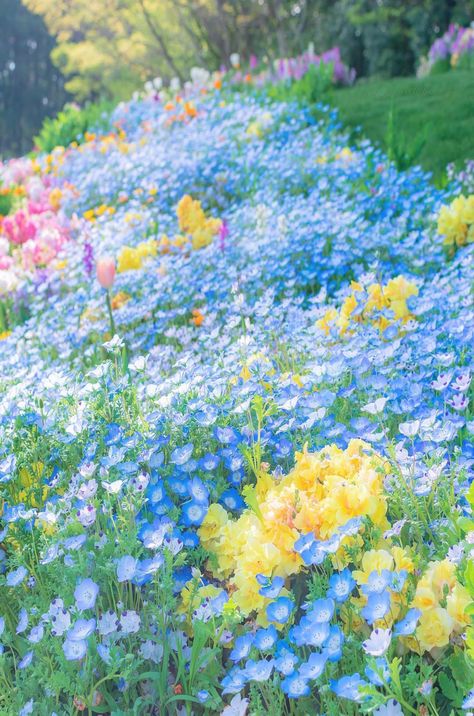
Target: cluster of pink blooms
x=34, y=233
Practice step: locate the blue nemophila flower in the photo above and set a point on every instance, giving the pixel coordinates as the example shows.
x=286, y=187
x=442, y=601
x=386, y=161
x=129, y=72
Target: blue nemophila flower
x=271, y=587
x=398, y=580
x=75, y=649
x=322, y=610
x=378, y=673
x=264, y=639
x=26, y=660
x=85, y=594
x=377, y=582
x=232, y=500
x=81, y=629
x=341, y=585
x=242, y=646
x=259, y=670
x=27, y=708
x=295, y=686
x=203, y=696
x=285, y=660
x=181, y=455
x=126, y=568
x=16, y=577
x=36, y=634
x=22, y=621
x=333, y=644
x=314, y=667
x=198, y=491
x=377, y=607
x=309, y=633
x=280, y=610
x=468, y=702
x=407, y=625
x=234, y=681
x=2, y=625
x=348, y=687
x=193, y=513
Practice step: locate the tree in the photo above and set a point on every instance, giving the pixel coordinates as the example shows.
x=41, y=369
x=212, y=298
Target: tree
x=30, y=87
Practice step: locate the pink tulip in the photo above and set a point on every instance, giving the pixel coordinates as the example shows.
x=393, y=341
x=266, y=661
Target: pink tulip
x=105, y=268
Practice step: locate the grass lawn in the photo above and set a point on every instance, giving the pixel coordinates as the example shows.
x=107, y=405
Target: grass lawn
x=442, y=105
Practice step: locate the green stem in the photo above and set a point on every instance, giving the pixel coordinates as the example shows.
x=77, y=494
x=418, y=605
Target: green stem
x=111, y=318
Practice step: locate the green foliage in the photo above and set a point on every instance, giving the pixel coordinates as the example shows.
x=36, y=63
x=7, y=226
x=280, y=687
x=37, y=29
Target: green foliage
x=312, y=88
x=442, y=101
x=400, y=150
x=71, y=124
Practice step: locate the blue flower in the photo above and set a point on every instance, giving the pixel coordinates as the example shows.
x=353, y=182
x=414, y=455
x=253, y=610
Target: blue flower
x=181, y=455
x=126, y=568
x=271, y=588
x=193, y=513
x=398, y=580
x=341, y=585
x=322, y=610
x=85, y=594
x=232, y=500
x=295, y=686
x=16, y=577
x=348, y=687
x=75, y=649
x=333, y=644
x=26, y=661
x=198, y=491
x=234, y=681
x=285, y=661
x=82, y=629
x=407, y=625
x=377, y=607
x=265, y=638
x=309, y=633
x=259, y=670
x=242, y=646
x=314, y=667
x=379, y=673
x=377, y=582
x=280, y=610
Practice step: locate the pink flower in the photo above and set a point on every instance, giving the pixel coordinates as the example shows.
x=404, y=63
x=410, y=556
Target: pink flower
x=105, y=268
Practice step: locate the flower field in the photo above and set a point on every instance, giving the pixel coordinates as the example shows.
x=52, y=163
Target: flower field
x=235, y=419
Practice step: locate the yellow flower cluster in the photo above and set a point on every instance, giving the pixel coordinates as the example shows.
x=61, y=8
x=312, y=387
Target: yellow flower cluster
x=443, y=602
x=93, y=214
x=131, y=258
x=194, y=223
x=321, y=493
x=456, y=221
x=361, y=306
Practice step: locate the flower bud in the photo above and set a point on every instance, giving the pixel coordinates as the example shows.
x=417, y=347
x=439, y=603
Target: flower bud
x=105, y=269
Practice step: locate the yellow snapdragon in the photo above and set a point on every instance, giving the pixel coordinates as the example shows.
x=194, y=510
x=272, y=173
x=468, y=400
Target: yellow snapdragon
x=456, y=221
x=321, y=493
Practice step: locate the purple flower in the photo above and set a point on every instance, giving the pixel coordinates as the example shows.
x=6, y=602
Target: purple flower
x=26, y=661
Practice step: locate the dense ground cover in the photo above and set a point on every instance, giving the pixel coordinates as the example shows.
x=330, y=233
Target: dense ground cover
x=240, y=483
x=439, y=107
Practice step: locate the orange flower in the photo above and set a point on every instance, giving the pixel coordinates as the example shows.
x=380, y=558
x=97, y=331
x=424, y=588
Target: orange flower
x=198, y=317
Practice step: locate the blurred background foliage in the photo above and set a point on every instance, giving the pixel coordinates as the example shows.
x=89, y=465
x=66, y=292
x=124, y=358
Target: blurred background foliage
x=52, y=49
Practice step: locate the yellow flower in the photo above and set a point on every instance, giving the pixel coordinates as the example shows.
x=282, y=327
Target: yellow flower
x=373, y=560
x=434, y=628
x=129, y=259
x=456, y=605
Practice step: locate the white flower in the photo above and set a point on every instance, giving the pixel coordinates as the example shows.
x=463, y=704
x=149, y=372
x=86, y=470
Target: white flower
x=378, y=642
x=237, y=707
x=391, y=708
x=235, y=59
